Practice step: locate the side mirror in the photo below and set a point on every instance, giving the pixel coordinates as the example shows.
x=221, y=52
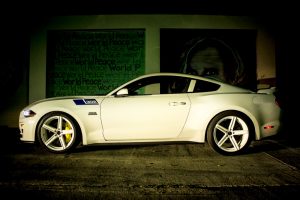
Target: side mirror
x=122, y=92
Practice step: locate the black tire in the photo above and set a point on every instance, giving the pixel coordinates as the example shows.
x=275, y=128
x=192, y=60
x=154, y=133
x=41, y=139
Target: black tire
x=58, y=132
x=230, y=133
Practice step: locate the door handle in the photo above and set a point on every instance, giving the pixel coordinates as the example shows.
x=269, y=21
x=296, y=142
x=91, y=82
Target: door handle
x=177, y=103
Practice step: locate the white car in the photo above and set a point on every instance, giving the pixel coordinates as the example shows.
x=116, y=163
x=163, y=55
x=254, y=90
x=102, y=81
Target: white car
x=159, y=107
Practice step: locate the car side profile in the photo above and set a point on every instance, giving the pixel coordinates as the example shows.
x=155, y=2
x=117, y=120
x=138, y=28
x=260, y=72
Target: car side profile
x=158, y=107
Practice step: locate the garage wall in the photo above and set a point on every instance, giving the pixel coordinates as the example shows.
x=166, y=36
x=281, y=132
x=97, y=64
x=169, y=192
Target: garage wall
x=151, y=24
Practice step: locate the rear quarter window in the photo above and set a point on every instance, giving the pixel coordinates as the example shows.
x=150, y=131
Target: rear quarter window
x=204, y=86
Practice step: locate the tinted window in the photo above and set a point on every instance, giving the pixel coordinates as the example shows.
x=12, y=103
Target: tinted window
x=204, y=86
x=159, y=85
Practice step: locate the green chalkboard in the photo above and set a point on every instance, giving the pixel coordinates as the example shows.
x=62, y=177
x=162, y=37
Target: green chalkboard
x=90, y=62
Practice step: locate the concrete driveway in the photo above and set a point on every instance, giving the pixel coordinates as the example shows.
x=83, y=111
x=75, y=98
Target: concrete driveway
x=270, y=170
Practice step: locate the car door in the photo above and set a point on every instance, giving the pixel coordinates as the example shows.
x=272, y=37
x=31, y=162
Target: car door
x=152, y=116
x=144, y=117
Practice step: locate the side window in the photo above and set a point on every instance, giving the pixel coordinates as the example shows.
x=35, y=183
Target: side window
x=159, y=85
x=204, y=86
x=178, y=85
x=151, y=88
x=145, y=86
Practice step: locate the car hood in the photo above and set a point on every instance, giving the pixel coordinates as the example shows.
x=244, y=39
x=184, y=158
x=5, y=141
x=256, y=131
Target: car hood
x=66, y=98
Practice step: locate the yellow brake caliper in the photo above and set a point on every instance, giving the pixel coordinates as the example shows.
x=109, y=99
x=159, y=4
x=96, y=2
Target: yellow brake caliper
x=68, y=136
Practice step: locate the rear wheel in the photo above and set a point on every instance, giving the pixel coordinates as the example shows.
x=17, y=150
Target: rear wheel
x=229, y=133
x=58, y=132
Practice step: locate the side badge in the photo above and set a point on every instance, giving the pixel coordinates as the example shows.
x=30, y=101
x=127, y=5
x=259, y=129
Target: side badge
x=85, y=101
x=92, y=113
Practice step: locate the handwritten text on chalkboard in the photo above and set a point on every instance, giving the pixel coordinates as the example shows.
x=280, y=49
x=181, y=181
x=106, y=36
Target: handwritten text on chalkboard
x=89, y=62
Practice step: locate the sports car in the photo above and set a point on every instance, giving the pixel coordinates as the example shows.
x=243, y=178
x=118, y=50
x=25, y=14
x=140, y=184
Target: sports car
x=157, y=107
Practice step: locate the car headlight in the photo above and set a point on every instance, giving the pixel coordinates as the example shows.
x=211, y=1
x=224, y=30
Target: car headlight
x=28, y=113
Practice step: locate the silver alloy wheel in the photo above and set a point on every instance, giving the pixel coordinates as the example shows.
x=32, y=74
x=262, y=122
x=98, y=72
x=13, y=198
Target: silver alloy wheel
x=231, y=133
x=57, y=133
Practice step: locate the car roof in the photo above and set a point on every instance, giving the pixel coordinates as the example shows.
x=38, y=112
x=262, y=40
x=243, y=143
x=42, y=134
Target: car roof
x=192, y=76
x=224, y=86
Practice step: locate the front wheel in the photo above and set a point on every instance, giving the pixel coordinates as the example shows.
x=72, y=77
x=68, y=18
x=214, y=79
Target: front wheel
x=229, y=133
x=58, y=133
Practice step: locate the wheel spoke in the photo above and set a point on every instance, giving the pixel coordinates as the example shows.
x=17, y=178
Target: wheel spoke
x=223, y=139
x=240, y=132
x=65, y=132
x=62, y=142
x=49, y=128
x=232, y=123
x=59, y=123
x=234, y=143
x=51, y=139
x=222, y=129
